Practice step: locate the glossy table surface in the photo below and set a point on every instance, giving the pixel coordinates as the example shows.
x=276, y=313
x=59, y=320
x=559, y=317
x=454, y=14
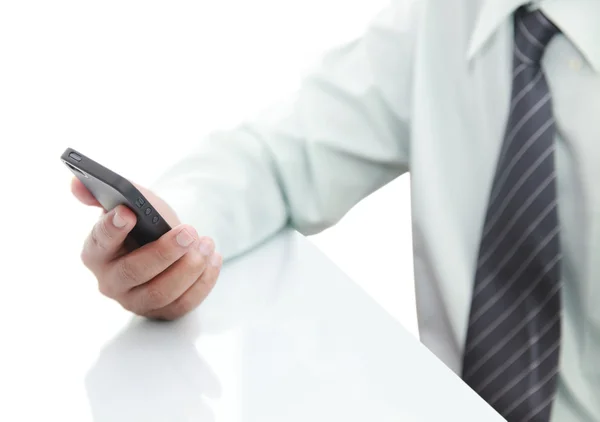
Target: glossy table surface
x=285, y=336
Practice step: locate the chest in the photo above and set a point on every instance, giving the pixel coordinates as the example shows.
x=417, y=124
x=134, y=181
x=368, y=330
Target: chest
x=459, y=116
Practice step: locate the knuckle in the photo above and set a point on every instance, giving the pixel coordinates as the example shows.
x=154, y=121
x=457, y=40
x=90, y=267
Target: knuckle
x=194, y=263
x=128, y=305
x=153, y=298
x=186, y=304
x=103, y=229
x=209, y=278
x=86, y=257
x=183, y=305
x=131, y=302
x=164, y=253
x=212, y=279
x=127, y=272
x=105, y=288
x=96, y=237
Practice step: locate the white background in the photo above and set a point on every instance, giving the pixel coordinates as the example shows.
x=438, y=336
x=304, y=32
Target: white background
x=132, y=84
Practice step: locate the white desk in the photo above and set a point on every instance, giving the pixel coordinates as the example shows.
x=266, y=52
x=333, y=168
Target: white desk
x=284, y=337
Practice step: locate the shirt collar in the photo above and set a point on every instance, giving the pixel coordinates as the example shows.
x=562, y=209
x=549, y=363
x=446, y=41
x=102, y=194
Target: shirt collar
x=577, y=19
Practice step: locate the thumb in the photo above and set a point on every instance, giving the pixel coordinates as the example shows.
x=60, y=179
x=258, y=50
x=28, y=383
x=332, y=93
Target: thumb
x=83, y=194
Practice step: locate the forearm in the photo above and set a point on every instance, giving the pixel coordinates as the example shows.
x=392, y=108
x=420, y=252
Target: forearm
x=308, y=160
x=225, y=190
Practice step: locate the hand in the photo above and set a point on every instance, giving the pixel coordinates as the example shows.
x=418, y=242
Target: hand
x=164, y=279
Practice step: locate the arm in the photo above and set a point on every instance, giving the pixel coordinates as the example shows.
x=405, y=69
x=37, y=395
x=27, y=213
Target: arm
x=305, y=162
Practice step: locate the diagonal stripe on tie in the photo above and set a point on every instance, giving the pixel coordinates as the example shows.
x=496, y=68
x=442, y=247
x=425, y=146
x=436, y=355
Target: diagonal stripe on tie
x=512, y=348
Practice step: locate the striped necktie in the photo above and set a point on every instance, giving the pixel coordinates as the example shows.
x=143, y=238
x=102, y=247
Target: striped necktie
x=511, y=356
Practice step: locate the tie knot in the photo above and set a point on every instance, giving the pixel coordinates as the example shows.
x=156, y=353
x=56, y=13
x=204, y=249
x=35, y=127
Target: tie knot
x=533, y=32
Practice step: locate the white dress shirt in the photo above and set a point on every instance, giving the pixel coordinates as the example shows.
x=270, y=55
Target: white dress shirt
x=426, y=92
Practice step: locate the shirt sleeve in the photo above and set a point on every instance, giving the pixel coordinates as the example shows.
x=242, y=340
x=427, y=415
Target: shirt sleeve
x=306, y=161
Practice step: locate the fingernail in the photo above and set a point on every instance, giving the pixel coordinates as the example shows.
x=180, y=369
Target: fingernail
x=216, y=260
x=184, y=238
x=119, y=221
x=206, y=246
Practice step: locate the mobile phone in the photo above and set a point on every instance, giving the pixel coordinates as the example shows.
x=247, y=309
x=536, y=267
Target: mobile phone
x=110, y=189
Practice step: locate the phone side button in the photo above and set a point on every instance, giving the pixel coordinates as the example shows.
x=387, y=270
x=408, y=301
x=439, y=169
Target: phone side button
x=75, y=156
x=155, y=219
x=140, y=202
x=148, y=211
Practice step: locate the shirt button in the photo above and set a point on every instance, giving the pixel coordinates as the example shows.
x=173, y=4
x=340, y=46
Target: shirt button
x=575, y=64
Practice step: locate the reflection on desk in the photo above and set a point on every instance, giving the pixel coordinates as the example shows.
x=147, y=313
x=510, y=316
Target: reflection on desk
x=152, y=372
x=285, y=336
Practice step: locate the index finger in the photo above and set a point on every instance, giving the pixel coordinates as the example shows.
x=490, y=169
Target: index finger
x=107, y=237
x=82, y=193
x=145, y=263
